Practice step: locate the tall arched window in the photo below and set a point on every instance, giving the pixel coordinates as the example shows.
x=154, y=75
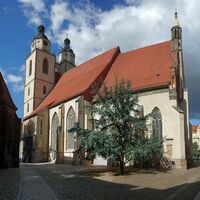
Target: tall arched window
x=54, y=132
x=28, y=91
x=71, y=136
x=157, y=123
x=27, y=107
x=45, y=66
x=44, y=90
x=30, y=67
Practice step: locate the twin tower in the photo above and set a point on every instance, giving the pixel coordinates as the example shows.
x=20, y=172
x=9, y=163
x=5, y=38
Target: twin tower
x=42, y=70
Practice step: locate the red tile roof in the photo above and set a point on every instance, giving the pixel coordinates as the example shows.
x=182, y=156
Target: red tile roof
x=5, y=98
x=194, y=128
x=79, y=80
x=146, y=68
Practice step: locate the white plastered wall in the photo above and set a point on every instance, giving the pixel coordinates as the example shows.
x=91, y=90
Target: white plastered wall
x=29, y=83
x=172, y=120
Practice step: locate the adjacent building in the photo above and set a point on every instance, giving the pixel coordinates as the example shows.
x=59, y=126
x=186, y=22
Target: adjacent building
x=196, y=134
x=9, y=129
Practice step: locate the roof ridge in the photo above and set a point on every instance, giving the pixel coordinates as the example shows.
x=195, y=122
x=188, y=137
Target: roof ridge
x=145, y=47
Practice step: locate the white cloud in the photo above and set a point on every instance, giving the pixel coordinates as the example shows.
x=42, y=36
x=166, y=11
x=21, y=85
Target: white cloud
x=22, y=68
x=134, y=24
x=17, y=88
x=34, y=10
x=14, y=79
x=59, y=13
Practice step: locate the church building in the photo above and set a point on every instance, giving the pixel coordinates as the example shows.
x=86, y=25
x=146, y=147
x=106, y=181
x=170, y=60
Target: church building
x=56, y=95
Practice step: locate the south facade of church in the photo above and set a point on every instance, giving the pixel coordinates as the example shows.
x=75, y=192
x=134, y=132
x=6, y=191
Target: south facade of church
x=56, y=96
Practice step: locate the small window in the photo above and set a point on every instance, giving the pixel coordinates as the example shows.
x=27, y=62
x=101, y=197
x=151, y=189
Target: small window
x=28, y=91
x=44, y=90
x=45, y=42
x=27, y=107
x=45, y=66
x=30, y=67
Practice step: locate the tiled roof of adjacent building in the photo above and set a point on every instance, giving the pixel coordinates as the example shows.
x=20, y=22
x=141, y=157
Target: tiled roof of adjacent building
x=194, y=128
x=147, y=68
x=5, y=98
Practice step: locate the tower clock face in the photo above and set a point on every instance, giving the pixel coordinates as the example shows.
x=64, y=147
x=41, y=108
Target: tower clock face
x=45, y=42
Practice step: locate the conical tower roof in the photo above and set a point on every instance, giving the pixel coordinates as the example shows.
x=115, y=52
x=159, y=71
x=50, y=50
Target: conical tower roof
x=176, y=21
x=5, y=98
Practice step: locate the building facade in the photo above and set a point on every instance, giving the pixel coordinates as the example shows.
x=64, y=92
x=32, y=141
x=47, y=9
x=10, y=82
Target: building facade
x=156, y=73
x=196, y=134
x=9, y=129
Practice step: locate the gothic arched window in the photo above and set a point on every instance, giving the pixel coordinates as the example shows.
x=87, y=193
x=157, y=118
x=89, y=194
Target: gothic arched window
x=157, y=123
x=71, y=135
x=28, y=91
x=27, y=107
x=45, y=66
x=44, y=90
x=30, y=67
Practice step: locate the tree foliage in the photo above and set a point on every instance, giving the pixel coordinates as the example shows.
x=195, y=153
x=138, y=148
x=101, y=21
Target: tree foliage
x=196, y=151
x=119, y=129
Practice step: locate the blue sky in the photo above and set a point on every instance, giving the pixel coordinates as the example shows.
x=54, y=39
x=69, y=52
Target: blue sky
x=94, y=26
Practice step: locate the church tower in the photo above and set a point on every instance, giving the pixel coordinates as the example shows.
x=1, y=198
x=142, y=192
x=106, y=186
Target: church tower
x=39, y=72
x=66, y=58
x=177, y=70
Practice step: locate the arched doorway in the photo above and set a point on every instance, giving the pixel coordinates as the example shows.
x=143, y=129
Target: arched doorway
x=54, y=137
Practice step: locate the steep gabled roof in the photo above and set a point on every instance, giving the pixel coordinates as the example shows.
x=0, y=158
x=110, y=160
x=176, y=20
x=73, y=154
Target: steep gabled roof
x=146, y=68
x=5, y=98
x=79, y=80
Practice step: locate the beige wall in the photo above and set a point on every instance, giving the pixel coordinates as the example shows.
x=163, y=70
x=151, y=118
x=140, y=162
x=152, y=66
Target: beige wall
x=38, y=79
x=38, y=43
x=172, y=120
x=29, y=83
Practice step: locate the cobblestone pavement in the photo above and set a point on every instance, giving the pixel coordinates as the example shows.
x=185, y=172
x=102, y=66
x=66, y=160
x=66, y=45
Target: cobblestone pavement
x=32, y=186
x=73, y=183
x=9, y=183
x=68, y=182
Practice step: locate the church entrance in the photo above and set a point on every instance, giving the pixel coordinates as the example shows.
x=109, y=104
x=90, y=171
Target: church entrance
x=54, y=138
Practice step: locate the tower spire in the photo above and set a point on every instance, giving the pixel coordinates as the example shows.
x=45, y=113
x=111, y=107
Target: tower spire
x=176, y=30
x=176, y=21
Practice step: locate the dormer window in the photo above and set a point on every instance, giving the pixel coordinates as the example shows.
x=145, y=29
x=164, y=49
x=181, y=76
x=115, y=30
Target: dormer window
x=45, y=66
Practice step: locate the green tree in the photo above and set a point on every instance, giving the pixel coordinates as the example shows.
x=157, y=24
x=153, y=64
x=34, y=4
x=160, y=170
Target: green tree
x=196, y=151
x=120, y=133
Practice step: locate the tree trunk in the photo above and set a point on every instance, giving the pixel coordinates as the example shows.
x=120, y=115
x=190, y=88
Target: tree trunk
x=121, y=165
